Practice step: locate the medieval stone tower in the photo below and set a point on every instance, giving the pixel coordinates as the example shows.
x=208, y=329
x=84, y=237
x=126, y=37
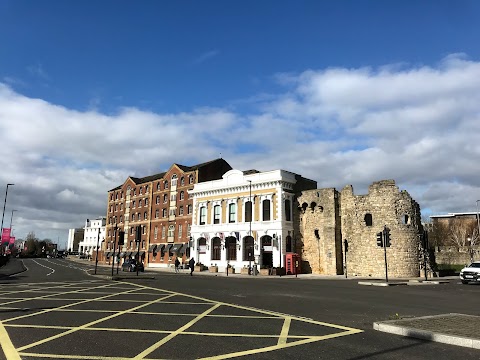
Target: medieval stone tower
x=326, y=217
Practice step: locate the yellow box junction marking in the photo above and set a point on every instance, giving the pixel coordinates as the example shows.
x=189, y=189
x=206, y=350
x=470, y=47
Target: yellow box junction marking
x=166, y=297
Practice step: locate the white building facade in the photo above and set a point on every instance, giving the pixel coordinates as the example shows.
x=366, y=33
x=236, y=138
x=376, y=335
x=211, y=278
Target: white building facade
x=94, y=233
x=244, y=219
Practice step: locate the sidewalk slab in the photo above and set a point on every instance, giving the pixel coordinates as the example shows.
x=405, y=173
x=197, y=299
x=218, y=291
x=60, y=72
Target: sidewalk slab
x=453, y=329
x=376, y=283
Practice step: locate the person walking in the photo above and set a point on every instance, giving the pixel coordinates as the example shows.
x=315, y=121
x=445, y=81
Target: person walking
x=177, y=264
x=191, y=264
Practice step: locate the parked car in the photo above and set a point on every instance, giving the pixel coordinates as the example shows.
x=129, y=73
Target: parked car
x=470, y=273
x=131, y=265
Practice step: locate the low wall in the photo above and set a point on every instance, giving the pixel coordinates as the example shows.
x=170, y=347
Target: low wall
x=454, y=255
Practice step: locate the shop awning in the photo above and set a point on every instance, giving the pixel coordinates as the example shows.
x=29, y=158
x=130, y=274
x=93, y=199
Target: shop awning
x=168, y=247
x=122, y=254
x=160, y=247
x=129, y=253
x=152, y=248
x=176, y=247
x=181, y=251
x=141, y=253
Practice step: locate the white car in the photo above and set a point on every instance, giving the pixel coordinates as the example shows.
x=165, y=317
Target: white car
x=470, y=273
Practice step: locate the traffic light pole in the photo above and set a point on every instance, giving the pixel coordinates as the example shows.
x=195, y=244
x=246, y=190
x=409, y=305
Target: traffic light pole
x=385, y=251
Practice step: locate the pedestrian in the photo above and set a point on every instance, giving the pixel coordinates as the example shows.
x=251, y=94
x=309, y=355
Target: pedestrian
x=177, y=264
x=191, y=264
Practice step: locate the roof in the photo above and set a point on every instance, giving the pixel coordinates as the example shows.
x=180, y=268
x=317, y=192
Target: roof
x=149, y=178
x=451, y=215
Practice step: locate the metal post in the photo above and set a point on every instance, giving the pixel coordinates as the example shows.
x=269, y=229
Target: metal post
x=250, y=226
x=138, y=253
x=114, y=246
x=385, y=251
x=478, y=221
x=425, y=247
x=96, y=257
x=3, y=214
x=345, y=248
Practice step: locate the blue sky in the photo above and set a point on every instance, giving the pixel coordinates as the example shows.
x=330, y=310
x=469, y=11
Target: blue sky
x=368, y=89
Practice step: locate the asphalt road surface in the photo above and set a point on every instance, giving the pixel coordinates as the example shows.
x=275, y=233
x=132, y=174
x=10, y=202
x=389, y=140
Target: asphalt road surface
x=57, y=309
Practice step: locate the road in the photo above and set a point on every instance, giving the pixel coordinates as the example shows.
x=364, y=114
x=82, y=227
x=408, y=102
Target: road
x=57, y=309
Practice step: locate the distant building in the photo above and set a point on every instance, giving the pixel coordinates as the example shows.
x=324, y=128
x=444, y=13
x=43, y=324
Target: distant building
x=93, y=234
x=75, y=236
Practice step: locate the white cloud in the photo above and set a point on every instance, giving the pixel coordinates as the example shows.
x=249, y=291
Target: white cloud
x=417, y=125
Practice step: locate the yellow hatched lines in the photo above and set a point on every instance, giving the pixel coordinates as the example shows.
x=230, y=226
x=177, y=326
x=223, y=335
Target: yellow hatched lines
x=284, y=339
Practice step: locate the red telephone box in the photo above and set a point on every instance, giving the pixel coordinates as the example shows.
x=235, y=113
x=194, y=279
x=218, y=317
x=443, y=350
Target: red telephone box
x=292, y=264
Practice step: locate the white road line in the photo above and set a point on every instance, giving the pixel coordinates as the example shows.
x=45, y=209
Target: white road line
x=50, y=273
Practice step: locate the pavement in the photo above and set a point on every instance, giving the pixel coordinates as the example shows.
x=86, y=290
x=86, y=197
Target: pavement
x=454, y=329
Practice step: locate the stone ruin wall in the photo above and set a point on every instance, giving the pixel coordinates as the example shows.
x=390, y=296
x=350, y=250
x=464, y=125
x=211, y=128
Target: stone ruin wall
x=339, y=216
x=388, y=206
x=319, y=210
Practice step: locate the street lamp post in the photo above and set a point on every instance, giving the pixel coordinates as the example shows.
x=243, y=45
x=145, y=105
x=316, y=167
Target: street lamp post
x=3, y=214
x=478, y=219
x=96, y=256
x=250, y=229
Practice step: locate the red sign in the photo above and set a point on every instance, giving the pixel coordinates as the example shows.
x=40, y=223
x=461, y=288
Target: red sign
x=6, y=235
x=12, y=240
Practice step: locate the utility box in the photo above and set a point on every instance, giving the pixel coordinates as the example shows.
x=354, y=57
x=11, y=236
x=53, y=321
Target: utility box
x=292, y=264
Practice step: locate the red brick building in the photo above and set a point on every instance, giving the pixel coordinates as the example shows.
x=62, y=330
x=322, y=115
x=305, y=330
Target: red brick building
x=160, y=205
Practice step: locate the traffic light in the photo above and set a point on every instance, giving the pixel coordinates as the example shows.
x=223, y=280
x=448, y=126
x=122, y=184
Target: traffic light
x=380, y=239
x=387, y=238
x=121, y=237
x=138, y=233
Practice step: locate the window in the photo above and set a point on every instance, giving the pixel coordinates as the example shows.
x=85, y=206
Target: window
x=165, y=184
x=131, y=230
x=216, y=214
x=190, y=179
x=155, y=232
x=180, y=230
x=189, y=228
x=140, y=203
x=288, y=244
x=202, y=245
x=133, y=204
x=248, y=211
x=157, y=200
x=368, y=220
x=139, y=217
x=171, y=230
x=121, y=207
x=189, y=209
x=164, y=212
x=133, y=217
x=141, y=190
x=174, y=180
x=405, y=219
x=173, y=197
x=144, y=230
x=180, y=210
x=172, y=212
x=116, y=196
x=146, y=188
x=146, y=202
x=158, y=186
x=266, y=209
x=163, y=232
x=145, y=217
x=134, y=192
x=121, y=219
x=248, y=248
x=216, y=248
x=182, y=181
x=288, y=213
x=203, y=215
x=182, y=195
x=111, y=208
x=231, y=212
x=165, y=198
x=157, y=213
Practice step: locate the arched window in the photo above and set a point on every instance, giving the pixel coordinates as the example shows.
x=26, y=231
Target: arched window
x=155, y=232
x=216, y=248
x=133, y=217
x=202, y=245
x=189, y=209
x=139, y=217
x=368, y=219
x=180, y=210
x=232, y=212
x=164, y=212
x=145, y=216
x=203, y=215
x=158, y=186
x=231, y=248
x=165, y=198
x=174, y=180
x=165, y=184
x=140, y=203
x=157, y=200
x=190, y=179
x=248, y=211
x=288, y=247
x=248, y=243
x=288, y=211
x=157, y=214
x=216, y=214
x=266, y=210
x=171, y=230
x=182, y=195
x=182, y=181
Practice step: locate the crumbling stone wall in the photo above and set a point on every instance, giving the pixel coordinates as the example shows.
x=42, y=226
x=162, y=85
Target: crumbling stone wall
x=326, y=217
